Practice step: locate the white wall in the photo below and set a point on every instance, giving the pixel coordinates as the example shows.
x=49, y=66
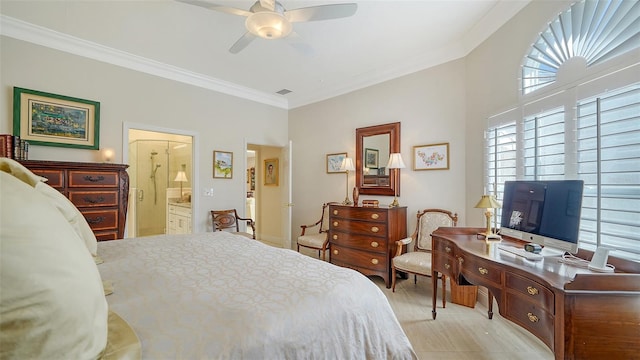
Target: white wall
x=430, y=106
x=220, y=121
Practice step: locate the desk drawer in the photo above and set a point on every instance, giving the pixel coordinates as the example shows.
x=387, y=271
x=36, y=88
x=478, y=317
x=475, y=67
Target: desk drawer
x=93, y=179
x=358, y=258
x=445, y=264
x=360, y=213
x=444, y=246
x=94, y=198
x=530, y=316
x=482, y=272
x=535, y=292
x=359, y=227
x=361, y=242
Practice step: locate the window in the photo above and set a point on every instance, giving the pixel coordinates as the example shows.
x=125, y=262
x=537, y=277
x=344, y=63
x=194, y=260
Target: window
x=587, y=128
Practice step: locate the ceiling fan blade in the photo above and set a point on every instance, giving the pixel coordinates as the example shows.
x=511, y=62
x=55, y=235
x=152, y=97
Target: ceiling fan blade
x=322, y=12
x=242, y=43
x=210, y=6
x=298, y=43
x=268, y=4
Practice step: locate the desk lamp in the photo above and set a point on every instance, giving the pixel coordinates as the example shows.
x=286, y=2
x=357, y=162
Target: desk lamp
x=346, y=166
x=489, y=202
x=395, y=162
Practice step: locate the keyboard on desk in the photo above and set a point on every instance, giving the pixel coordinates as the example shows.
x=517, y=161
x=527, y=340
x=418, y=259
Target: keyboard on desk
x=520, y=252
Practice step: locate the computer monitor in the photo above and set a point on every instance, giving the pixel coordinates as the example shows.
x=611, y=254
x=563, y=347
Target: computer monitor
x=543, y=212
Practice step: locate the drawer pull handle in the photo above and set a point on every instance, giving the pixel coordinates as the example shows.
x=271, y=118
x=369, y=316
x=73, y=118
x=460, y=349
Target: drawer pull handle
x=375, y=216
x=375, y=229
x=483, y=271
x=374, y=261
x=335, y=212
x=99, y=199
x=335, y=223
x=374, y=244
x=335, y=252
x=532, y=318
x=532, y=291
x=335, y=237
x=447, y=266
x=447, y=249
x=461, y=260
x=96, y=220
x=94, y=179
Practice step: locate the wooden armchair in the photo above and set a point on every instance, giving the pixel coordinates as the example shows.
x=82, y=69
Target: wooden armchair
x=229, y=219
x=418, y=261
x=317, y=239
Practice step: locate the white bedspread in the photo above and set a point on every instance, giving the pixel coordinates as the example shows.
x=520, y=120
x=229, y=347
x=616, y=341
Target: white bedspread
x=222, y=296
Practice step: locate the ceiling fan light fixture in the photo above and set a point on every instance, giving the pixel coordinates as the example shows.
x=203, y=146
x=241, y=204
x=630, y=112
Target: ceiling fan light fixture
x=268, y=25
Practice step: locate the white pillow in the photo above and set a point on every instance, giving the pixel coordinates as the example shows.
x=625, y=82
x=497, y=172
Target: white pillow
x=52, y=303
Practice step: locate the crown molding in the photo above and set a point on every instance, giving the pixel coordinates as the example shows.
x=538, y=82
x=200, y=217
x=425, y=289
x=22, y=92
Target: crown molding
x=39, y=35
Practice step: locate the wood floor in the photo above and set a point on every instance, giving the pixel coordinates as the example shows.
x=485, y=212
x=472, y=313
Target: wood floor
x=459, y=332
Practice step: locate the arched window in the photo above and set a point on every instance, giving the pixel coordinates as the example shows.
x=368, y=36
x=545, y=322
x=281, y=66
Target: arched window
x=592, y=30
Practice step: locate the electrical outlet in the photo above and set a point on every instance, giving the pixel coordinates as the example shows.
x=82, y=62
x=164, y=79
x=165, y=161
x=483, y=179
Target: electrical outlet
x=207, y=191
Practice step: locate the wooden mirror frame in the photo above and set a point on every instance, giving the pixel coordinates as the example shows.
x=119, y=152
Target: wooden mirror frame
x=393, y=129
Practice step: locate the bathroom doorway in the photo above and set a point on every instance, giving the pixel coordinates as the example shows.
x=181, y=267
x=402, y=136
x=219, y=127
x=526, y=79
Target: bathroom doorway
x=160, y=175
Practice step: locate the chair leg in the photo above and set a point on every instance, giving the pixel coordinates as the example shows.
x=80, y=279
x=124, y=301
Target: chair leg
x=415, y=279
x=444, y=291
x=324, y=253
x=393, y=279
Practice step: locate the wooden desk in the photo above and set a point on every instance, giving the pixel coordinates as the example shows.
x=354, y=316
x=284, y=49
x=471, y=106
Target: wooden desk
x=579, y=314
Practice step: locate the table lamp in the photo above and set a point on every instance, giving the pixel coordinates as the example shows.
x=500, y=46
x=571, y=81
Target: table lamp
x=181, y=177
x=346, y=166
x=489, y=202
x=395, y=162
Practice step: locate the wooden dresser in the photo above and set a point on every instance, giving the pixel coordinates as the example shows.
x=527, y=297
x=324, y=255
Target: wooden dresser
x=363, y=238
x=577, y=313
x=98, y=190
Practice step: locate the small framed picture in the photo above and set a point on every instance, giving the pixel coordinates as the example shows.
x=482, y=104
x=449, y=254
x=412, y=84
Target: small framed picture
x=431, y=157
x=271, y=172
x=222, y=164
x=334, y=162
x=55, y=120
x=371, y=158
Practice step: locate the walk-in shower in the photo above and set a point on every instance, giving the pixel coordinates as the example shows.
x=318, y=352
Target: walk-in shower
x=153, y=165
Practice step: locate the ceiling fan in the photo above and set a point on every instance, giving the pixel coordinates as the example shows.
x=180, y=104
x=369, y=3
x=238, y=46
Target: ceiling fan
x=268, y=19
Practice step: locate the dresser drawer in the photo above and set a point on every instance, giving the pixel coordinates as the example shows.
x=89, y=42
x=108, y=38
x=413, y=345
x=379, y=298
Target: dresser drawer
x=482, y=272
x=55, y=178
x=94, y=198
x=358, y=258
x=80, y=178
x=359, y=227
x=533, y=291
x=101, y=219
x=106, y=235
x=359, y=242
x=376, y=215
x=530, y=316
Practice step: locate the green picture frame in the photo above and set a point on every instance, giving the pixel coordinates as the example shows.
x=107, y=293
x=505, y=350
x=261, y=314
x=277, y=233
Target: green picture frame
x=48, y=119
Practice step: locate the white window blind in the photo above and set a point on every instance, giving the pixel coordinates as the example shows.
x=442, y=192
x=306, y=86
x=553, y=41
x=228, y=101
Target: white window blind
x=608, y=140
x=501, y=160
x=544, y=145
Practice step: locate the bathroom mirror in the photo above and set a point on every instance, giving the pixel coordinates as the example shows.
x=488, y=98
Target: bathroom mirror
x=373, y=146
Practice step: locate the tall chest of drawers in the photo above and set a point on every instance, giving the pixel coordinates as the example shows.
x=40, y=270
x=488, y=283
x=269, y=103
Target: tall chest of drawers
x=98, y=190
x=363, y=238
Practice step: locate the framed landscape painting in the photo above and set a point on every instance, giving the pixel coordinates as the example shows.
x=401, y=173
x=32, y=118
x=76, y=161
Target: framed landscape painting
x=55, y=120
x=222, y=164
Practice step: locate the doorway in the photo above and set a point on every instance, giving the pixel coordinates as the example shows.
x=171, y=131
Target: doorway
x=160, y=175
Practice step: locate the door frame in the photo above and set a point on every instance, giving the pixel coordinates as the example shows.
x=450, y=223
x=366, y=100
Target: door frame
x=126, y=126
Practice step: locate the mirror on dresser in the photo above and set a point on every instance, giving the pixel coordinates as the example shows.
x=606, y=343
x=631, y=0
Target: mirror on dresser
x=373, y=146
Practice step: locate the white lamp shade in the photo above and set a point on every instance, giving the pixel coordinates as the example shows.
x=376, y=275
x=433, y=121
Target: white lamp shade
x=347, y=164
x=268, y=25
x=395, y=161
x=181, y=177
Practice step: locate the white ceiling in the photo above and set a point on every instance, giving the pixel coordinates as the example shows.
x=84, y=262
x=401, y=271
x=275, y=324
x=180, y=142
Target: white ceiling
x=383, y=40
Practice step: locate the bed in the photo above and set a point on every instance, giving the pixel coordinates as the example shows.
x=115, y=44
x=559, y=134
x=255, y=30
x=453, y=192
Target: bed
x=201, y=296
